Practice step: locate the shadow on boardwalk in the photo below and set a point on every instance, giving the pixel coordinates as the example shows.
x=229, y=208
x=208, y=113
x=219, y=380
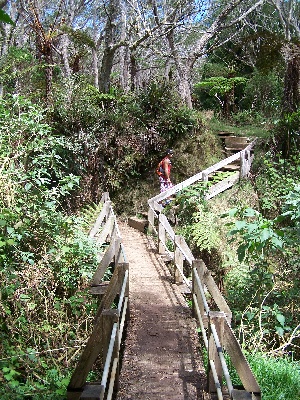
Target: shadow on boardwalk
x=161, y=354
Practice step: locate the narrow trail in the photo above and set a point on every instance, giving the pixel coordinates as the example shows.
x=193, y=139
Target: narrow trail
x=161, y=357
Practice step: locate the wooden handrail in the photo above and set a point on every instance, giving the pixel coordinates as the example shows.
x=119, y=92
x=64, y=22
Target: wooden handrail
x=204, y=174
x=202, y=282
x=109, y=323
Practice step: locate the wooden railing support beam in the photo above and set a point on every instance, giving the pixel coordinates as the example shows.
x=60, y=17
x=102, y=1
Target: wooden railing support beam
x=218, y=322
x=178, y=260
x=151, y=220
x=161, y=237
x=109, y=317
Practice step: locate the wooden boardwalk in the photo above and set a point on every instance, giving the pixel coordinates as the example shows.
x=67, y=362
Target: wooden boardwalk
x=162, y=357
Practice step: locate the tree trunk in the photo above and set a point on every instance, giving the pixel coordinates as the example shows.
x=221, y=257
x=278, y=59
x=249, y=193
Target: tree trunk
x=123, y=53
x=106, y=68
x=133, y=72
x=182, y=71
x=291, y=98
x=65, y=55
x=110, y=46
x=124, y=69
x=48, y=59
x=95, y=68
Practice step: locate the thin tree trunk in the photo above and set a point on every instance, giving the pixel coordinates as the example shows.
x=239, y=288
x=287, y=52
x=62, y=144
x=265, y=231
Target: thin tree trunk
x=106, y=68
x=183, y=73
x=109, y=45
x=291, y=96
x=95, y=68
x=123, y=64
x=133, y=72
x=124, y=69
x=291, y=80
x=65, y=55
x=48, y=71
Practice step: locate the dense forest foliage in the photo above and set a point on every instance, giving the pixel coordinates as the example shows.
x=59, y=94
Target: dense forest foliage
x=91, y=93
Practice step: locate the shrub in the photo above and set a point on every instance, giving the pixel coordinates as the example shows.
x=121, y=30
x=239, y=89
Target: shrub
x=46, y=258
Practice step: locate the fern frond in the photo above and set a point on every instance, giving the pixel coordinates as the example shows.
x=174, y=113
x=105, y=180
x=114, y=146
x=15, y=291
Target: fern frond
x=204, y=232
x=90, y=213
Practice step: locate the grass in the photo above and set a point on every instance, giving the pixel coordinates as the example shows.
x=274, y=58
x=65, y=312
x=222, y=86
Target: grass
x=278, y=378
x=245, y=130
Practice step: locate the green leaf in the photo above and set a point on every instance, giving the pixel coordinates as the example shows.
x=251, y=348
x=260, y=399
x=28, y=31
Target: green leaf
x=277, y=242
x=250, y=315
x=233, y=232
x=65, y=249
x=252, y=227
x=266, y=308
x=240, y=224
x=265, y=234
x=250, y=212
x=232, y=212
x=279, y=330
x=24, y=297
x=31, y=353
x=11, y=242
x=6, y=18
x=31, y=306
x=280, y=318
x=241, y=253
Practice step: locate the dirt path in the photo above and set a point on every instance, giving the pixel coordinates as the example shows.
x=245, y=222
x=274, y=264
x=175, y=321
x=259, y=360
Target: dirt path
x=161, y=357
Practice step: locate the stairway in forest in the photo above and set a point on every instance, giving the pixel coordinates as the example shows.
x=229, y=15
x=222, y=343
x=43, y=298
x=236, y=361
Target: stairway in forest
x=232, y=144
x=162, y=358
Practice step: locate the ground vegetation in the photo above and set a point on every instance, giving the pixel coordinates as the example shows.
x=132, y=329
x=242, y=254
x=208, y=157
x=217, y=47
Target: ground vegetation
x=91, y=96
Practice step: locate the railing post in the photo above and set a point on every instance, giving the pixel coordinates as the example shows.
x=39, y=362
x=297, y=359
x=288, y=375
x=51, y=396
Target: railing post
x=204, y=176
x=151, y=220
x=248, y=157
x=218, y=321
x=197, y=265
x=105, y=197
x=109, y=318
x=119, y=255
x=161, y=237
x=243, y=165
x=178, y=260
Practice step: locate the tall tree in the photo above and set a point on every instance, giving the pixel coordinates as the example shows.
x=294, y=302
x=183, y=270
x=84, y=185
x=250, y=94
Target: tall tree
x=288, y=13
x=218, y=18
x=111, y=42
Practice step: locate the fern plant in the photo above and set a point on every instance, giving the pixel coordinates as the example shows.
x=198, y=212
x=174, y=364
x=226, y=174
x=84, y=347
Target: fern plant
x=90, y=213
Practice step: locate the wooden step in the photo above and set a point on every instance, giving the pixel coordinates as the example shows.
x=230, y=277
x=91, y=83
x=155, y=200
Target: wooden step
x=235, y=149
x=236, y=140
x=224, y=134
x=231, y=167
x=138, y=223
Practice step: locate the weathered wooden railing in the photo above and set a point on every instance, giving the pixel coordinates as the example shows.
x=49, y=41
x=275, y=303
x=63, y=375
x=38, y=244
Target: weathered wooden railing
x=244, y=157
x=215, y=325
x=105, y=339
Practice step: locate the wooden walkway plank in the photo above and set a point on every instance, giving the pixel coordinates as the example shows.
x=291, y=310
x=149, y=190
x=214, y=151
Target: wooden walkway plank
x=161, y=353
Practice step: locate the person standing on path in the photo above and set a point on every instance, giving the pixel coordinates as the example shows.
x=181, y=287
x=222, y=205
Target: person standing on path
x=164, y=171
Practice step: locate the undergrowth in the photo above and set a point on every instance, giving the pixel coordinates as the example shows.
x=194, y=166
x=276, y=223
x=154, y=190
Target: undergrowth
x=278, y=378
